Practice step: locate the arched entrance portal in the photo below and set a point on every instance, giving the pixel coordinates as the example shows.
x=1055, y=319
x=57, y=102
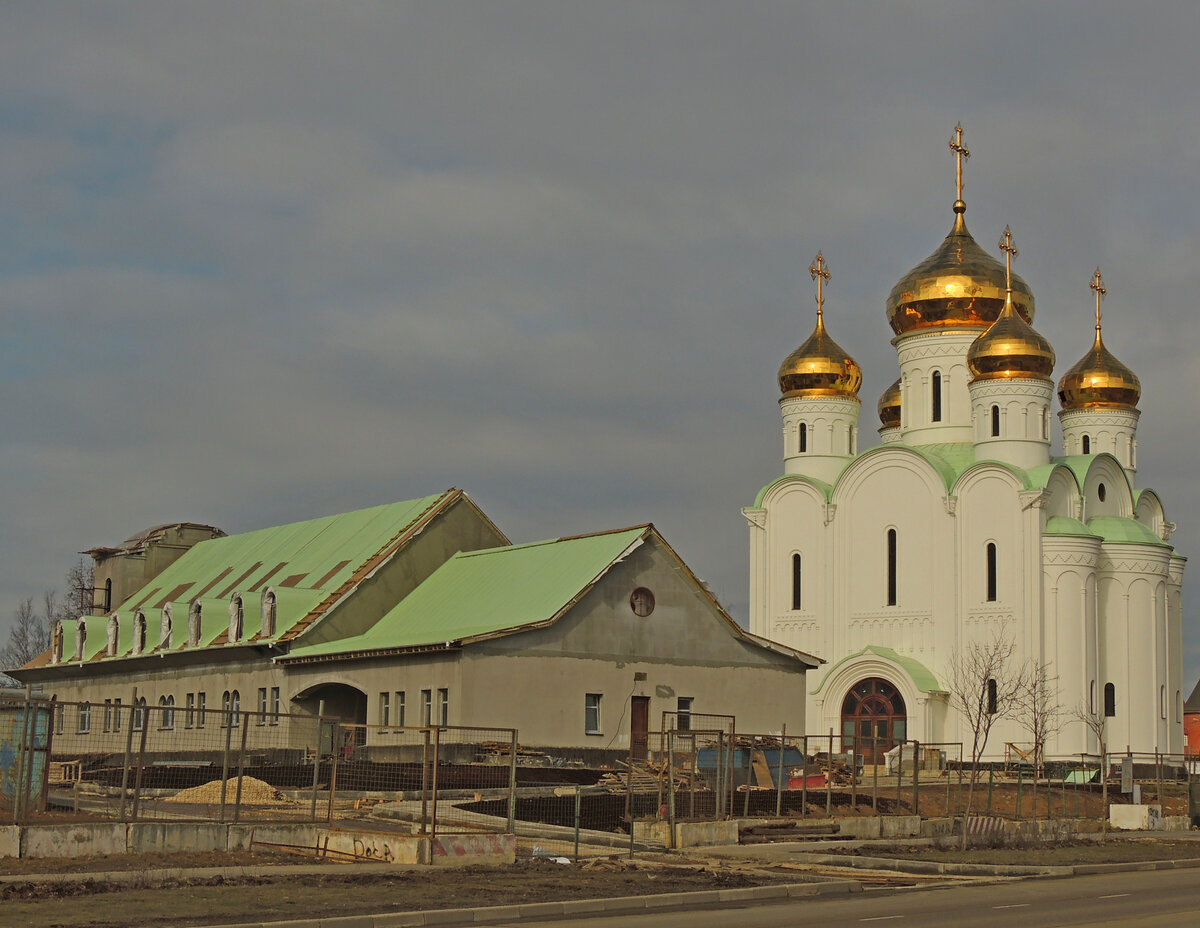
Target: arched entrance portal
x=873, y=712
x=336, y=702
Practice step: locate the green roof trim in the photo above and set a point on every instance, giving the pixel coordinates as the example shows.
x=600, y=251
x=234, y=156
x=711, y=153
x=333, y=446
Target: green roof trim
x=304, y=562
x=1118, y=530
x=1064, y=526
x=487, y=593
x=951, y=459
x=923, y=678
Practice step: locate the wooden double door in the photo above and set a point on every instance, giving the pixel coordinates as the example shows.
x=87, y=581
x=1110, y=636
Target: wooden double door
x=874, y=719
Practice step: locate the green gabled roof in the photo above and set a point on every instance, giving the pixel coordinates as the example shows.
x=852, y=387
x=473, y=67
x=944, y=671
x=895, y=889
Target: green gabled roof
x=923, y=678
x=1118, y=530
x=1062, y=525
x=803, y=478
x=486, y=593
x=304, y=562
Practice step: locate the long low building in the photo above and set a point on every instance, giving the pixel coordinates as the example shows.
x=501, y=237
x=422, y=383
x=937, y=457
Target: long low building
x=422, y=613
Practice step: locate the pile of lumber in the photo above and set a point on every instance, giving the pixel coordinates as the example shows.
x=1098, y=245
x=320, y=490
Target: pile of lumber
x=645, y=776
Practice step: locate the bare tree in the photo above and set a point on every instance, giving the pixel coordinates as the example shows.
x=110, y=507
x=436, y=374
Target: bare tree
x=1039, y=713
x=984, y=687
x=1094, y=721
x=80, y=589
x=30, y=635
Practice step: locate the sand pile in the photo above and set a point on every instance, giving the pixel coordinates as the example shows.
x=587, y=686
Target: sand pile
x=254, y=793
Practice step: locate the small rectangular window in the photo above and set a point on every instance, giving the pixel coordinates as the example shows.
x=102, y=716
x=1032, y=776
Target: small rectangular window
x=189, y=710
x=683, y=716
x=200, y=699
x=116, y=715
x=591, y=714
x=274, y=705
x=85, y=718
x=426, y=707
x=399, y=708
x=108, y=712
x=385, y=709
x=60, y=713
x=443, y=706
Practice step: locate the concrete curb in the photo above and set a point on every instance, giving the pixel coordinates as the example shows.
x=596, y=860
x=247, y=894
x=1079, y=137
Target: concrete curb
x=615, y=905
x=1009, y=870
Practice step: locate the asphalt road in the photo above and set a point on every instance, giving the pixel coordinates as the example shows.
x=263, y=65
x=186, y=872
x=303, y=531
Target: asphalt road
x=1141, y=899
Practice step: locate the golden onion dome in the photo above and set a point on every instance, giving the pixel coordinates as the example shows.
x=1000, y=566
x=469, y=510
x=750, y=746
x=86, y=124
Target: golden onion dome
x=1098, y=378
x=960, y=284
x=820, y=367
x=889, y=406
x=1010, y=348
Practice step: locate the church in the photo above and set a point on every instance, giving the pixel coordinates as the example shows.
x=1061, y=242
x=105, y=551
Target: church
x=963, y=527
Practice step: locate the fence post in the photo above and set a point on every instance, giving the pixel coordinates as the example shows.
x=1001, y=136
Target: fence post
x=854, y=770
x=578, y=795
x=899, y=773
x=128, y=751
x=336, y=740
x=804, y=778
x=21, y=754
x=779, y=779
x=225, y=758
x=875, y=774
x=670, y=789
x=829, y=777
x=317, y=760
x=425, y=782
x=512, y=786
x=237, y=801
x=433, y=778
x=141, y=760
x=749, y=775
x=916, y=777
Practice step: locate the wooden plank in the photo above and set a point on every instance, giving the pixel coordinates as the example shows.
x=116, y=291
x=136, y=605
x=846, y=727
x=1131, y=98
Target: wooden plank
x=762, y=770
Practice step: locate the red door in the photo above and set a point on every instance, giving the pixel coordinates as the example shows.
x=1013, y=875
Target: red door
x=639, y=727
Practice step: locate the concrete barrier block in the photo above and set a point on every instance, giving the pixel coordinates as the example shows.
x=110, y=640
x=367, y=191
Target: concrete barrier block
x=937, y=828
x=376, y=847
x=175, y=837
x=10, y=840
x=899, y=826
x=72, y=840
x=1176, y=823
x=470, y=850
x=860, y=827
x=1135, y=817
x=687, y=834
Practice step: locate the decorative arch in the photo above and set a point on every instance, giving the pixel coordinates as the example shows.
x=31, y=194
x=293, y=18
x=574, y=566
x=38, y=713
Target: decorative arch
x=164, y=638
x=1149, y=511
x=269, y=606
x=139, y=632
x=194, y=622
x=80, y=638
x=237, y=618
x=874, y=718
x=915, y=683
x=113, y=629
x=1106, y=472
x=56, y=643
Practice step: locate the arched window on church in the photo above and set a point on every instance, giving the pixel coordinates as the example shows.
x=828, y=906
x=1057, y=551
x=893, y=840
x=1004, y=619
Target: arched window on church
x=992, y=699
x=1092, y=696
x=797, y=598
x=936, y=411
x=1110, y=701
x=991, y=572
x=803, y=438
x=1087, y=445
x=891, y=567
x=1162, y=701
x=108, y=594
x=995, y=422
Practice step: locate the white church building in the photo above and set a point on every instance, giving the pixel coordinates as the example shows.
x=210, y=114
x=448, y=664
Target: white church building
x=963, y=525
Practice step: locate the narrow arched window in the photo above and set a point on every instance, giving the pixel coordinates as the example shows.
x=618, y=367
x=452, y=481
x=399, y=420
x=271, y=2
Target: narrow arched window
x=1110, y=701
x=268, y=613
x=114, y=635
x=139, y=632
x=891, y=567
x=108, y=594
x=1087, y=445
x=803, y=438
x=165, y=628
x=236, y=618
x=1162, y=701
x=995, y=421
x=797, y=599
x=992, y=698
x=194, y=619
x=1092, y=696
x=936, y=411
x=991, y=572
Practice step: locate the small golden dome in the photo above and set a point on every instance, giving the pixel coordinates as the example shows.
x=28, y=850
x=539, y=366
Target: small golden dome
x=1010, y=349
x=889, y=406
x=1099, y=379
x=960, y=284
x=820, y=367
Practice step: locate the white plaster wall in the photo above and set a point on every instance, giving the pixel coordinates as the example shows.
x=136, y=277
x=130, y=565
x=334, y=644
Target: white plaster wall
x=1024, y=438
x=920, y=355
x=1109, y=430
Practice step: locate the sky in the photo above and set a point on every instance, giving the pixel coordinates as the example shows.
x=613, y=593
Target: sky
x=265, y=262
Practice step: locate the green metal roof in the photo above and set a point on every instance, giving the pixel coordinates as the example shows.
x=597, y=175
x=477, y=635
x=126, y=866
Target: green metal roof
x=950, y=458
x=1062, y=525
x=923, y=678
x=303, y=561
x=803, y=478
x=489, y=592
x=1118, y=530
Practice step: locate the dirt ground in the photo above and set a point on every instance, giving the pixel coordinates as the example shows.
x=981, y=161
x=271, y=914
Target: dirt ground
x=342, y=890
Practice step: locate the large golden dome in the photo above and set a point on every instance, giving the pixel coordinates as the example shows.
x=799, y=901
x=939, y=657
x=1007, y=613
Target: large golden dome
x=960, y=284
x=820, y=367
x=889, y=406
x=1010, y=349
x=1099, y=379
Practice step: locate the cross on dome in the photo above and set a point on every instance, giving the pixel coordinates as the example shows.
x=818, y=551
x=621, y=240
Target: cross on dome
x=1097, y=284
x=962, y=153
x=1010, y=252
x=820, y=273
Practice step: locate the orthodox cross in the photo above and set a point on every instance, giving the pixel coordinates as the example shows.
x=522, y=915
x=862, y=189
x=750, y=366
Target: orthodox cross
x=962, y=153
x=1010, y=252
x=1097, y=284
x=820, y=273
